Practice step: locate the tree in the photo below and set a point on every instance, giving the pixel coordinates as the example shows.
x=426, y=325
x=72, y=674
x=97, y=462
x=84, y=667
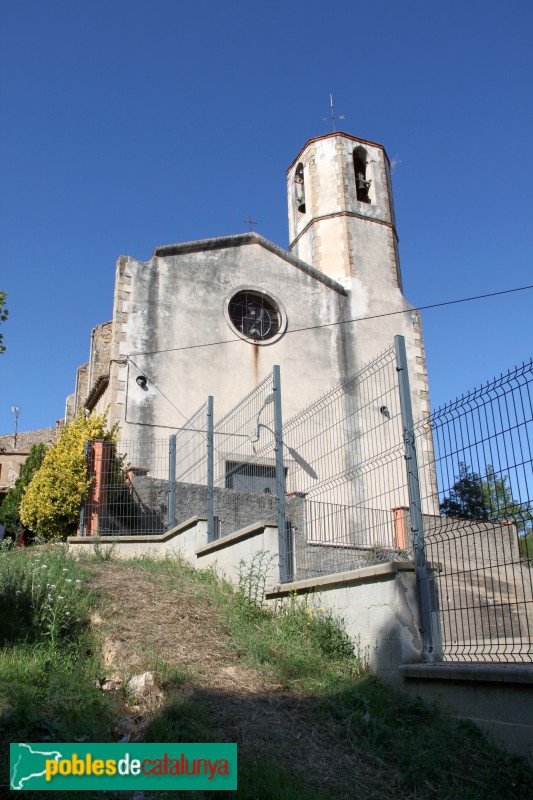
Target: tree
x=467, y=498
x=501, y=504
x=9, y=510
x=3, y=316
x=474, y=497
x=51, y=504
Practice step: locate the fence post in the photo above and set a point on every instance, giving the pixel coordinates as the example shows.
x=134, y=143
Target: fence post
x=210, y=473
x=284, y=565
x=425, y=582
x=82, y=509
x=171, y=482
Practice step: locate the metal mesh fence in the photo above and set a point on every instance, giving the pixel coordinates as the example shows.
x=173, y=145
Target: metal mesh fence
x=187, y=472
x=346, y=479
x=342, y=497
x=480, y=544
x=129, y=487
x=244, y=465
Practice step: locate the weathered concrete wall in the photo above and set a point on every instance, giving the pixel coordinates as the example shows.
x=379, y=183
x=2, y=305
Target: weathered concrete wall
x=182, y=540
x=144, y=508
x=234, y=509
x=227, y=554
x=379, y=609
x=179, y=300
x=470, y=544
x=70, y=405
x=497, y=698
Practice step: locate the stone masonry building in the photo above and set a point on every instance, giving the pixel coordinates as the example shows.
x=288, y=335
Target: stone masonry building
x=213, y=316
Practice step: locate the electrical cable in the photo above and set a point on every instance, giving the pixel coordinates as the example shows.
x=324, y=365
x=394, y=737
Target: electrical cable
x=344, y=322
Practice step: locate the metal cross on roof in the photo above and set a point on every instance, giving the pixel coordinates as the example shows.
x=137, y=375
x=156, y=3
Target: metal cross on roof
x=250, y=221
x=333, y=117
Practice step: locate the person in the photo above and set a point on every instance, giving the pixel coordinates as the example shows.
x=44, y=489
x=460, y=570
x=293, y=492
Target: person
x=2, y=533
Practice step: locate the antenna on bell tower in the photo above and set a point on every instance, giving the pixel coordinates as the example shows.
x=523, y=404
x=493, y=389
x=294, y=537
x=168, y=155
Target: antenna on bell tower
x=333, y=117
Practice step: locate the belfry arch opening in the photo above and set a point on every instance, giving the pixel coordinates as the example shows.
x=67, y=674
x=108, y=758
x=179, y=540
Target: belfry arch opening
x=362, y=183
x=299, y=188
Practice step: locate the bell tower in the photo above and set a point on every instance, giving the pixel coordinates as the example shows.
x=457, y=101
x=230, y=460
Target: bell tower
x=341, y=221
x=341, y=215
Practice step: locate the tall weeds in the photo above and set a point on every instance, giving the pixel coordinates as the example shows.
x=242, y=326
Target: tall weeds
x=48, y=670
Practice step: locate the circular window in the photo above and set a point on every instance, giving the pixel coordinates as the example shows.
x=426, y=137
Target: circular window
x=255, y=315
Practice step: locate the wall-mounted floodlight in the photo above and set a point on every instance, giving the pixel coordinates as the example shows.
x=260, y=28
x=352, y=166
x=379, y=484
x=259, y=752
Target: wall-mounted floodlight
x=266, y=402
x=141, y=380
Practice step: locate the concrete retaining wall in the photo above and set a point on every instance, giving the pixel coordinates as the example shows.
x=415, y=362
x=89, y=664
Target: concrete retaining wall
x=497, y=698
x=378, y=607
x=182, y=540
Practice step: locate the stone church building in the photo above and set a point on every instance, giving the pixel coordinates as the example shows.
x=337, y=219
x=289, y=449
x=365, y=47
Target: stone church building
x=212, y=316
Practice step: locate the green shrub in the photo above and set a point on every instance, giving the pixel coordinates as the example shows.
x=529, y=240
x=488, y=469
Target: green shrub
x=51, y=504
x=525, y=544
x=41, y=597
x=9, y=510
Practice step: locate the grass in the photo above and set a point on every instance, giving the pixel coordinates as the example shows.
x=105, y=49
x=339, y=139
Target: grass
x=369, y=742
x=423, y=749
x=300, y=644
x=525, y=544
x=419, y=750
x=49, y=668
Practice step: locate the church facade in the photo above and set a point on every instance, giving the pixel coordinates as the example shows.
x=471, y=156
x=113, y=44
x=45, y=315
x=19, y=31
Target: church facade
x=212, y=316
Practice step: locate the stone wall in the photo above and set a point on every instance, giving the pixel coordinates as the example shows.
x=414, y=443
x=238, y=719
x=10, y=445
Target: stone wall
x=142, y=507
x=12, y=461
x=25, y=439
x=100, y=352
x=82, y=387
x=145, y=507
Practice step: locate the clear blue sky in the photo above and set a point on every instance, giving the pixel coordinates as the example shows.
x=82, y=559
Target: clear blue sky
x=128, y=124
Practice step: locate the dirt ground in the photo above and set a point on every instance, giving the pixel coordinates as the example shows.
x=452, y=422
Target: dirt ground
x=144, y=619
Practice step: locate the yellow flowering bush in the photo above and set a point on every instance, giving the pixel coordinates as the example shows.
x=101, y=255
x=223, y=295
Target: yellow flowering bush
x=52, y=501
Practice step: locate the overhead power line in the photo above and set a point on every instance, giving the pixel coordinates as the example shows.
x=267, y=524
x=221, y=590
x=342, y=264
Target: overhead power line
x=346, y=321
